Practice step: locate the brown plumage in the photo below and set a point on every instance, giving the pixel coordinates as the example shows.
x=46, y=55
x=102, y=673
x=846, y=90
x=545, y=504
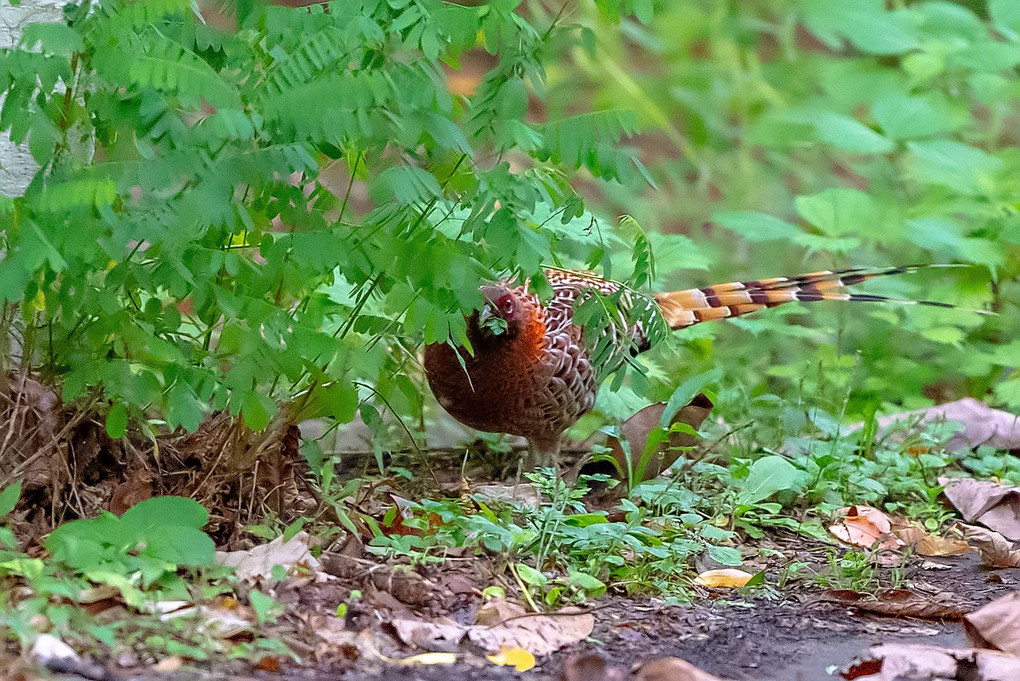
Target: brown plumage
x=531, y=372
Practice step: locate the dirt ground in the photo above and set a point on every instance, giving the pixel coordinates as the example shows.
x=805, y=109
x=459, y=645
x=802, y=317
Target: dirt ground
x=796, y=634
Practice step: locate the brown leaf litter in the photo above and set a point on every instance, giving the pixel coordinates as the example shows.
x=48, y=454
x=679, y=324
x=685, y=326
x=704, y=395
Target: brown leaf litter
x=982, y=425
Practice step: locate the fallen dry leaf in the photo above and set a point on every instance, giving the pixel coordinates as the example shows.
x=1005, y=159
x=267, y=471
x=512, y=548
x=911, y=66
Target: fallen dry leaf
x=518, y=658
x=926, y=544
x=501, y=625
x=995, y=506
x=256, y=564
x=901, y=603
x=168, y=664
x=672, y=669
x=899, y=662
x=982, y=425
x=538, y=634
x=425, y=659
x=636, y=429
x=435, y=636
x=995, y=550
x=865, y=527
x=996, y=625
x=220, y=620
x=729, y=577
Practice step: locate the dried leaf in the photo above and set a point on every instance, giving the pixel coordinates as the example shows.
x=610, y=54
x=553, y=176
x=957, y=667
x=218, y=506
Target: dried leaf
x=995, y=506
x=427, y=659
x=865, y=527
x=898, y=662
x=995, y=550
x=518, y=658
x=729, y=577
x=501, y=625
x=982, y=425
x=901, y=603
x=541, y=634
x=672, y=669
x=438, y=636
x=257, y=563
x=996, y=625
x=168, y=664
x=926, y=544
x=636, y=429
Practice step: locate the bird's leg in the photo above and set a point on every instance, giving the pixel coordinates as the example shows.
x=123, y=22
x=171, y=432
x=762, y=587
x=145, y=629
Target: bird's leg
x=543, y=453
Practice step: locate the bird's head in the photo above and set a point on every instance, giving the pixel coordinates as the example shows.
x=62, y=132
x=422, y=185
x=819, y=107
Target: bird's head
x=503, y=311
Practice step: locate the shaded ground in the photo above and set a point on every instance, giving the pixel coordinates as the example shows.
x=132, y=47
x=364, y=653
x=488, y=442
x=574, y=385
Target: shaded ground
x=795, y=635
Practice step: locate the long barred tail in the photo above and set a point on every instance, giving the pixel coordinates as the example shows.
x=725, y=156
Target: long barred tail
x=692, y=306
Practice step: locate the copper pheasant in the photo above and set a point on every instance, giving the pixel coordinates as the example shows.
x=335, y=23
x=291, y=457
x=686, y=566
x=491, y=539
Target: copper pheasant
x=533, y=372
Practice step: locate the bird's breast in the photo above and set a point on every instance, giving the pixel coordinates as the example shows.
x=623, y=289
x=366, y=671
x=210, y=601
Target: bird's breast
x=508, y=388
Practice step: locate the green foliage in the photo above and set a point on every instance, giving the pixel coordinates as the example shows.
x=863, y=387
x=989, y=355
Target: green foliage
x=797, y=135
x=151, y=539
x=269, y=213
x=155, y=552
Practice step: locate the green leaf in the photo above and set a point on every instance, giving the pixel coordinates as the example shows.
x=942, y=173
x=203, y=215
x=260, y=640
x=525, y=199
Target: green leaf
x=850, y=135
x=768, y=475
x=52, y=38
x=686, y=392
x=530, y=575
x=725, y=555
x=183, y=546
x=1006, y=17
x=757, y=227
x=865, y=23
x=266, y=607
x=585, y=581
x=959, y=167
x=177, y=511
x=839, y=212
x=905, y=116
x=257, y=411
x=116, y=421
x=9, y=498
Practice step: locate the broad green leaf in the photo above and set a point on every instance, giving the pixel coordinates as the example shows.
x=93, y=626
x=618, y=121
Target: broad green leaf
x=865, y=23
x=725, y=555
x=1009, y=392
x=52, y=38
x=165, y=511
x=959, y=167
x=850, y=135
x=257, y=411
x=841, y=212
x=180, y=545
x=1006, y=17
x=116, y=421
x=530, y=575
x=686, y=392
x=9, y=498
x=768, y=475
x=904, y=116
x=757, y=227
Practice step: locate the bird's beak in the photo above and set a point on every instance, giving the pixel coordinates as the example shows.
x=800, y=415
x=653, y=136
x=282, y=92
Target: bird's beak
x=485, y=314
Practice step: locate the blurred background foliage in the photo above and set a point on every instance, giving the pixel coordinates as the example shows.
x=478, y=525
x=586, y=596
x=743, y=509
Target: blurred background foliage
x=283, y=203
x=799, y=134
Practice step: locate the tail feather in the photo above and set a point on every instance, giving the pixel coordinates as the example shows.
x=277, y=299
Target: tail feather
x=733, y=299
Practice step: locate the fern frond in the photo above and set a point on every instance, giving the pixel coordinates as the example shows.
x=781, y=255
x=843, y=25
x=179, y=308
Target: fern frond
x=139, y=13
x=590, y=141
x=167, y=66
x=323, y=51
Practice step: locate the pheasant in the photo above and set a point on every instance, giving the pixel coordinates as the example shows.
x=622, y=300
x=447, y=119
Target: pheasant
x=531, y=371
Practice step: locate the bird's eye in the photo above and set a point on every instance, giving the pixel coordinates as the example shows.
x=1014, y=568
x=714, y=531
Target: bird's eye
x=506, y=305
